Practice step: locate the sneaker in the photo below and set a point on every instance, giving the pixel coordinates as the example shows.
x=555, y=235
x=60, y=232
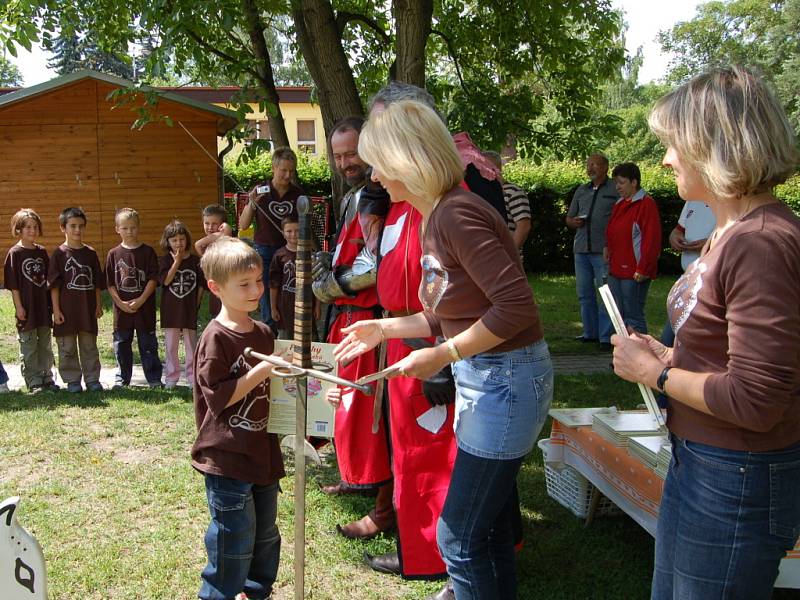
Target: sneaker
x=74, y=387
x=51, y=387
x=95, y=386
x=4, y=388
x=120, y=386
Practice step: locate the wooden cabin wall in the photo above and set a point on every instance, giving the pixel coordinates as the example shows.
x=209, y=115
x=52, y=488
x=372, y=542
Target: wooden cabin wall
x=72, y=147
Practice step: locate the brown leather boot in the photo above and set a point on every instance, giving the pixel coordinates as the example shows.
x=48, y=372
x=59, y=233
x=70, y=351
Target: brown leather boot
x=380, y=519
x=446, y=593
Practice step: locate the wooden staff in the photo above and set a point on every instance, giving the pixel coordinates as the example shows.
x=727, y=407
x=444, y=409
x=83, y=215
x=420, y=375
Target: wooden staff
x=301, y=357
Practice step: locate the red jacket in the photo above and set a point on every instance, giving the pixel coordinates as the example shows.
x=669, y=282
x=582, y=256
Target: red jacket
x=633, y=237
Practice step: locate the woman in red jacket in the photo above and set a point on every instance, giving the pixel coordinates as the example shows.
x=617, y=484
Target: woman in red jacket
x=633, y=238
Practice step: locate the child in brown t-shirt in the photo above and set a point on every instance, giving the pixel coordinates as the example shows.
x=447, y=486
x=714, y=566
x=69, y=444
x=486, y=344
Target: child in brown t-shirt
x=75, y=281
x=241, y=462
x=182, y=282
x=132, y=277
x=214, y=227
x=25, y=274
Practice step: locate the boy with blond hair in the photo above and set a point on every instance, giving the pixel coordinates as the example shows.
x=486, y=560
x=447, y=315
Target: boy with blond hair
x=132, y=277
x=75, y=281
x=240, y=461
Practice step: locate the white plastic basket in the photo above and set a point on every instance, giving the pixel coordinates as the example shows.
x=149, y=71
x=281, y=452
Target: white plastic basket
x=570, y=489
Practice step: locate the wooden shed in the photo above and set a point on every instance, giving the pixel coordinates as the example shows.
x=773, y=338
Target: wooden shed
x=65, y=143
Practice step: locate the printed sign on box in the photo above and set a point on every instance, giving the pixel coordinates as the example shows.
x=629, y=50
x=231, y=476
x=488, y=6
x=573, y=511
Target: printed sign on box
x=283, y=394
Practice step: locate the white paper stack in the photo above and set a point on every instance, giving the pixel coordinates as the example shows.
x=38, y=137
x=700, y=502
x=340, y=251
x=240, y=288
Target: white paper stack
x=578, y=417
x=663, y=460
x=646, y=448
x=620, y=427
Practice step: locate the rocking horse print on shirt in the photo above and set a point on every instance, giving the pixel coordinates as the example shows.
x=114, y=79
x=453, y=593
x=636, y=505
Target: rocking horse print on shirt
x=80, y=275
x=289, y=277
x=33, y=270
x=129, y=279
x=22, y=568
x=183, y=283
x=260, y=393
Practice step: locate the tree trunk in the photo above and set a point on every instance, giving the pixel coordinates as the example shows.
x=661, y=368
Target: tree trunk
x=255, y=29
x=413, y=23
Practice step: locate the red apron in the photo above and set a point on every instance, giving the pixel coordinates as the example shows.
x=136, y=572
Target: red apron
x=363, y=457
x=423, y=442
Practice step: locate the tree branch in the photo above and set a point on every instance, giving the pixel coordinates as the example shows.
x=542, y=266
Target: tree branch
x=218, y=53
x=452, y=53
x=343, y=18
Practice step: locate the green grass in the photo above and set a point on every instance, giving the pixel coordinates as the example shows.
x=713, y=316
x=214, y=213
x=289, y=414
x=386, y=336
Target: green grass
x=107, y=489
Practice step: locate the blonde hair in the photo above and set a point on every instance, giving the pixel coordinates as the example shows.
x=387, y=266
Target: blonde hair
x=19, y=218
x=409, y=143
x=229, y=256
x=124, y=214
x=728, y=125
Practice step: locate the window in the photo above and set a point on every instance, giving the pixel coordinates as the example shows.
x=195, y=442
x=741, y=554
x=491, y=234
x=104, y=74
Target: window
x=263, y=130
x=307, y=136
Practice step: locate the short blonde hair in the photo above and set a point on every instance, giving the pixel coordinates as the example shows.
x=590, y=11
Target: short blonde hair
x=19, y=218
x=409, y=143
x=125, y=214
x=728, y=125
x=229, y=256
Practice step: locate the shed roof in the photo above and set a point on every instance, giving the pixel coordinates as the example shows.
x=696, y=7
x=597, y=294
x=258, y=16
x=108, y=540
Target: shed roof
x=226, y=120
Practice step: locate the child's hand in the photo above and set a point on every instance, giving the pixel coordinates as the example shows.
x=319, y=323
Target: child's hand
x=176, y=258
x=58, y=317
x=317, y=311
x=124, y=306
x=135, y=304
x=334, y=396
x=276, y=315
x=21, y=314
x=98, y=312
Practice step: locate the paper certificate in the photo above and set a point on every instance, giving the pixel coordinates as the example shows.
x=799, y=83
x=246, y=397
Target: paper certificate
x=283, y=394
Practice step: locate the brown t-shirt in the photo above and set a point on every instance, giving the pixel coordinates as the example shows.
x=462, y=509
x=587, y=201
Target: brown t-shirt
x=25, y=270
x=268, y=228
x=736, y=314
x=282, y=277
x=129, y=270
x=76, y=273
x=179, y=298
x=233, y=441
x=471, y=271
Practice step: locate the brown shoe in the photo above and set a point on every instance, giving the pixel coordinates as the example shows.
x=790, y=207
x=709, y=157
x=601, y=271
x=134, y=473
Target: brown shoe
x=343, y=487
x=380, y=519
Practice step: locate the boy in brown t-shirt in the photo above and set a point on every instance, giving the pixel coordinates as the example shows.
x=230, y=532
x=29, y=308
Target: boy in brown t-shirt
x=25, y=274
x=132, y=277
x=241, y=462
x=214, y=227
x=75, y=281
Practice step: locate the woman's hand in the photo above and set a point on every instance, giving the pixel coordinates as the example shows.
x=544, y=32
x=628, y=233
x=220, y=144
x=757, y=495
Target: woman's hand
x=635, y=360
x=424, y=363
x=361, y=337
x=662, y=352
x=334, y=396
x=638, y=277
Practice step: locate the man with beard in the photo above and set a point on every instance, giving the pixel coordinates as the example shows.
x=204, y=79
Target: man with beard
x=346, y=280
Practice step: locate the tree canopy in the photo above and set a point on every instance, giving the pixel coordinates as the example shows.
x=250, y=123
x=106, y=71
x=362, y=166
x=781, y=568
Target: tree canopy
x=9, y=73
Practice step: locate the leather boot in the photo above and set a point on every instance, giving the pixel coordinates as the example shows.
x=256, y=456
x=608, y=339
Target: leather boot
x=380, y=519
x=446, y=593
x=384, y=563
x=343, y=487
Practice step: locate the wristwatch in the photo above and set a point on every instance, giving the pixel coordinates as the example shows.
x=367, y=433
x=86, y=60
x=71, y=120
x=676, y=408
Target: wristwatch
x=662, y=379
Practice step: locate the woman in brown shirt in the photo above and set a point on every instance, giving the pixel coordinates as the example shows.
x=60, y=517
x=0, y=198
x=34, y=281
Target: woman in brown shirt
x=475, y=293
x=731, y=503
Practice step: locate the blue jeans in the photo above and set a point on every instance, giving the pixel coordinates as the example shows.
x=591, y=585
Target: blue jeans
x=475, y=532
x=3, y=374
x=266, y=253
x=148, y=352
x=502, y=401
x=242, y=541
x=590, y=273
x=726, y=520
x=630, y=297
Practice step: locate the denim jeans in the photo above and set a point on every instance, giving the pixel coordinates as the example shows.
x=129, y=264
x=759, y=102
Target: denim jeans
x=590, y=273
x=726, y=520
x=242, y=541
x=502, y=401
x=630, y=297
x=148, y=352
x=3, y=374
x=266, y=253
x=475, y=530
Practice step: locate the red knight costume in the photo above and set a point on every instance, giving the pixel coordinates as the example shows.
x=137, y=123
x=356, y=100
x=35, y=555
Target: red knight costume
x=423, y=442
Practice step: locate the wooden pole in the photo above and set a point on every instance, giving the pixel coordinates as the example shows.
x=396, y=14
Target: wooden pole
x=301, y=356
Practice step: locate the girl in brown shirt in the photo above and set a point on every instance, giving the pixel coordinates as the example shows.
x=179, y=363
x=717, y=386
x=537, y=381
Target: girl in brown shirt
x=731, y=503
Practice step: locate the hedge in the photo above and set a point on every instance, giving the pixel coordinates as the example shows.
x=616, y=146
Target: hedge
x=550, y=186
